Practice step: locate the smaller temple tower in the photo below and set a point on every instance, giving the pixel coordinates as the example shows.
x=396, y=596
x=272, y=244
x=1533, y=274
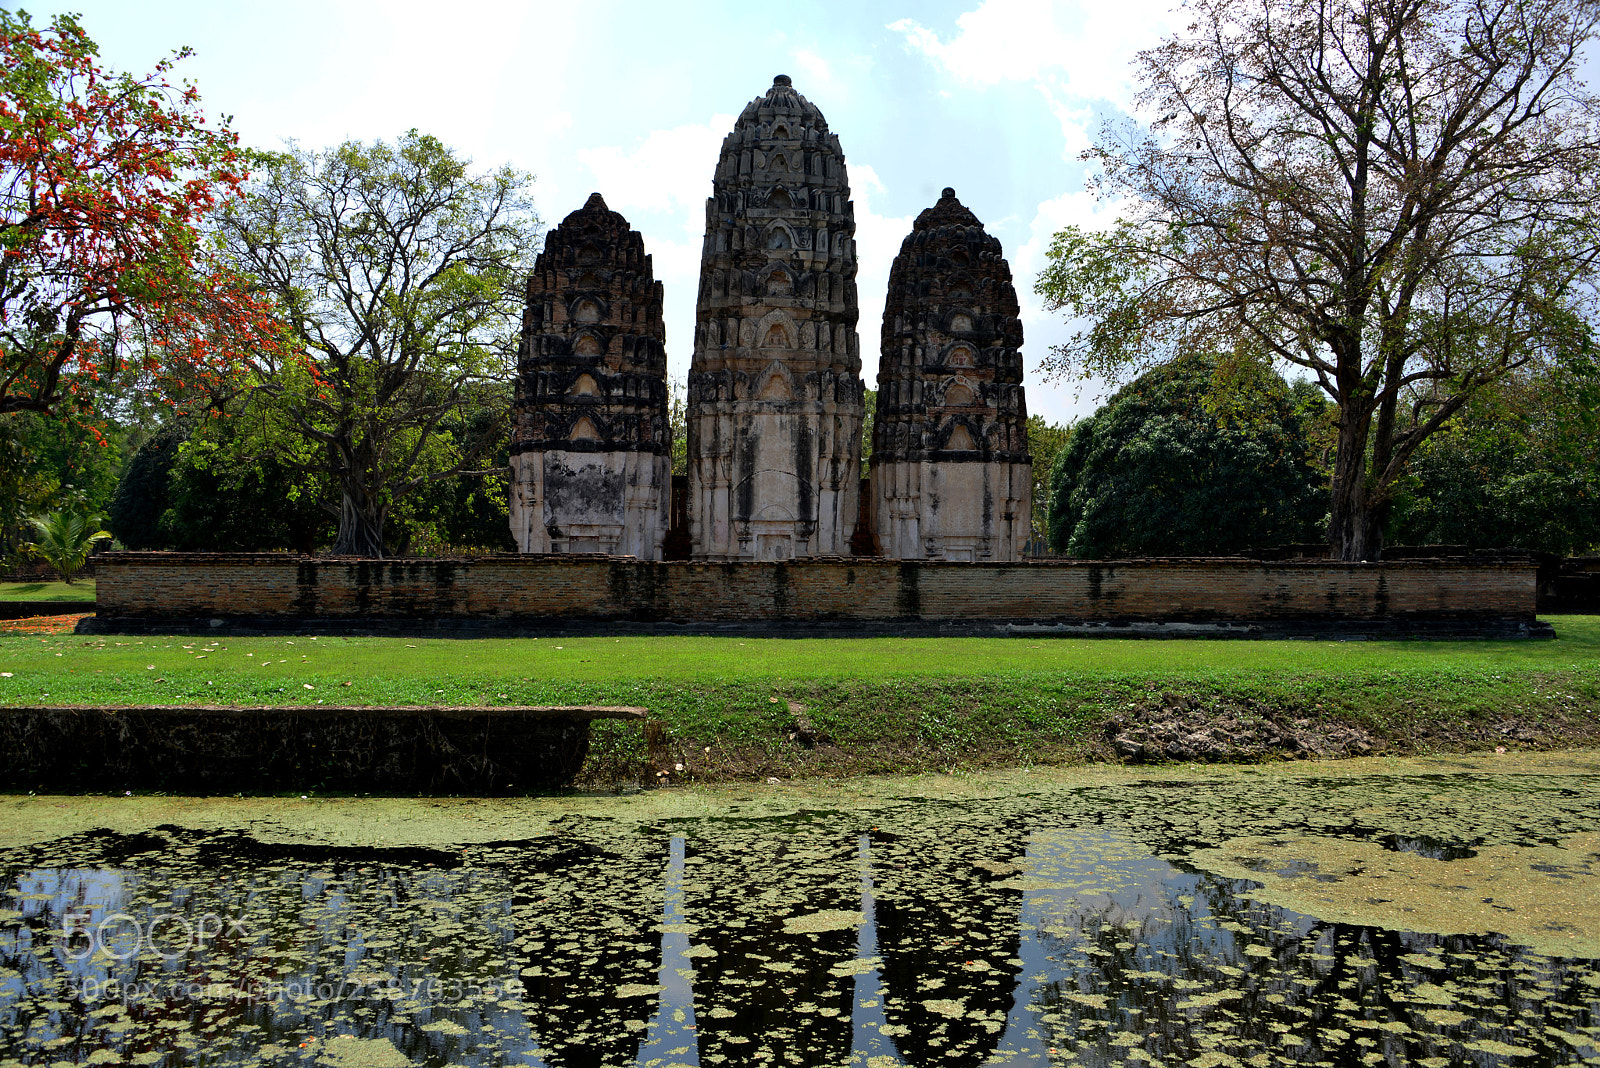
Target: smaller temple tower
x=951, y=475
x=590, y=448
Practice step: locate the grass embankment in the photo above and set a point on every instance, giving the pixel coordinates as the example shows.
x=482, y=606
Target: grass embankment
x=80, y=591
x=730, y=708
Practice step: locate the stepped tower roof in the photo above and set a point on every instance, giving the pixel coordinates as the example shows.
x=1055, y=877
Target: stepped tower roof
x=950, y=375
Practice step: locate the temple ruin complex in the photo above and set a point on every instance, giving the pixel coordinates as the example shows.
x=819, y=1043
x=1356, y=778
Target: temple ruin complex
x=775, y=400
x=590, y=445
x=951, y=475
x=775, y=395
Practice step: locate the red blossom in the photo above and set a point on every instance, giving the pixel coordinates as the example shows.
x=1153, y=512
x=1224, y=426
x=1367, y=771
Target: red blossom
x=106, y=182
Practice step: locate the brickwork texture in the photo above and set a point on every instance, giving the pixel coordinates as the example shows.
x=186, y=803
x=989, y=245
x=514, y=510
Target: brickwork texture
x=519, y=587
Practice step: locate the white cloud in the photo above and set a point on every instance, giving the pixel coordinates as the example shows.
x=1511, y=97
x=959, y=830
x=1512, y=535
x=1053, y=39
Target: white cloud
x=1088, y=46
x=668, y=171
x=878, y=240
x=813, y=70
x=1075, y=54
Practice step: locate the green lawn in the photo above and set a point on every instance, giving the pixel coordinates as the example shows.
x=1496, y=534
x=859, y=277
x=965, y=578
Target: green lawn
x=80, y=590
x=930, y=697
x=412, y=669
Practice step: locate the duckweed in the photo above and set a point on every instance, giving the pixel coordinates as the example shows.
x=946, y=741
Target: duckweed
x=1400, y=912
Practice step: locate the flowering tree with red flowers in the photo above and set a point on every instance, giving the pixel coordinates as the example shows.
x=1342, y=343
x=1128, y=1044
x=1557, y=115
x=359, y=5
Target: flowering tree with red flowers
x=106, y=181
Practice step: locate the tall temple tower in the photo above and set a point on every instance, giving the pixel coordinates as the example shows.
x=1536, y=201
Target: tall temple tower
x=775, y=394
x=951, y=475
x=590, y=462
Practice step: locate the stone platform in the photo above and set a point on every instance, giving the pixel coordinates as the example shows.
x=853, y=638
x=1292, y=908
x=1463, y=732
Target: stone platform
x=233, y=749
x=572, y=593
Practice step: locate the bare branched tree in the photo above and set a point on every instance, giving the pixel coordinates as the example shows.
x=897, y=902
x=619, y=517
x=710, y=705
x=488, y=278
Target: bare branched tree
x=1398, y=196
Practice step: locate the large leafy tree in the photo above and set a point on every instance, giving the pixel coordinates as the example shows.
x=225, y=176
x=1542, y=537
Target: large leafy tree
x=1197, y=457
x=106, y=181
x=1399, y=196
x=226, y=489
x=142, y=493
x=399, y=273
x=1517, y=467
x=1045, y=442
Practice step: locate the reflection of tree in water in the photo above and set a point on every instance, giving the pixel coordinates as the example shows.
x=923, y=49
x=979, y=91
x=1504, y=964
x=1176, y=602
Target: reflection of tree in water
x=1207, y=971
x=334, y=926
x=948, y=934
x=1130, y=959
x=765, y=992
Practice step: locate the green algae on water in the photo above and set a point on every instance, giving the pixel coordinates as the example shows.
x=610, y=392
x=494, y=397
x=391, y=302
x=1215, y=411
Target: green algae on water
x=1180, y=916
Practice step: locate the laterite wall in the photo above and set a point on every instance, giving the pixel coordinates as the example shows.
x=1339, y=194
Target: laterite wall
x=510, y=587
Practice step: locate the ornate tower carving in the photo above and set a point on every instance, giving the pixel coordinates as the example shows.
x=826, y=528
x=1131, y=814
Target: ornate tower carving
x=775, y=394
x=951, y=475
x=590, y=462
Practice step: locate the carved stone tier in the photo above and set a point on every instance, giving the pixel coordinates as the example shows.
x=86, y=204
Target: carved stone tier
x=951, y=474
x=590, y=461
x=775, y=393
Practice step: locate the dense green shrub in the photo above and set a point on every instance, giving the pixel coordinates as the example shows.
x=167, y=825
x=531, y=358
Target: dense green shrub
x=142, y=494
x=1519, y=467
x=1201, y=456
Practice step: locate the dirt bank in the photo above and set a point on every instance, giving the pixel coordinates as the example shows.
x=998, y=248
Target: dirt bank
x=1165, y=728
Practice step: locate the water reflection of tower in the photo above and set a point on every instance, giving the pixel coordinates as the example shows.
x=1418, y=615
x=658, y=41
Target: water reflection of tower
x=587, y=986
x=775, y=909
x=671, y=1037
x=948, y=931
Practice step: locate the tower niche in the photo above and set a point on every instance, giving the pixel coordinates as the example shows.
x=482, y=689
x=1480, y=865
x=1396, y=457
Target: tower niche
x=951, y=478
x=590, y=461
x=775, y=400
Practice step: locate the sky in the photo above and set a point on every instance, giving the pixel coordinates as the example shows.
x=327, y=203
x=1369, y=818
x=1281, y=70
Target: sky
x=993, y=97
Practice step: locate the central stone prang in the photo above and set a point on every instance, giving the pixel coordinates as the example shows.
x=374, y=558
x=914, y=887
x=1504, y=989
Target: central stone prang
x=775, y=399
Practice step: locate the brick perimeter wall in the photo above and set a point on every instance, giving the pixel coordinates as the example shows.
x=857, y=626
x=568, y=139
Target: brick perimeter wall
x=188, y=585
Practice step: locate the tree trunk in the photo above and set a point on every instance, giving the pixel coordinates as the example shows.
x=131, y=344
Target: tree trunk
x=1355, y=529
x=360, y=524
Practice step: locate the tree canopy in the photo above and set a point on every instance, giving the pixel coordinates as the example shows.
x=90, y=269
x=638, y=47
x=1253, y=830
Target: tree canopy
x=1197, y=457
x=1045, y=442
x=399, y=273
x=1518, y=467
x=106, y=182
x=1399, y=196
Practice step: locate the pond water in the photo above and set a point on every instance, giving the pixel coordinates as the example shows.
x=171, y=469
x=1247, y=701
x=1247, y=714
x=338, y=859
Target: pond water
x=1380, y=912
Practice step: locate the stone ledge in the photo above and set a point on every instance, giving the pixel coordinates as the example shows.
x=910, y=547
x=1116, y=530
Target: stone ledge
x=585, y=712
x=233, y=749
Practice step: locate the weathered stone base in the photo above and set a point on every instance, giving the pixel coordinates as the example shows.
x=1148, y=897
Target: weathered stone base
x=962, y=512
x=544, y=591
x=227, y=750
x=774, y=480
x=590, y=502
